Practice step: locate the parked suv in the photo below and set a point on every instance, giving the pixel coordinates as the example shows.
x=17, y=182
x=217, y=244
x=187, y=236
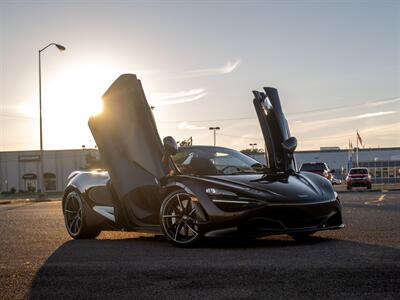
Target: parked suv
x=358, y=177
x=318, y=168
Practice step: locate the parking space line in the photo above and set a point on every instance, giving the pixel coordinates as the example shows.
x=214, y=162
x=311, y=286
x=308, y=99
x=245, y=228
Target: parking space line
x=380, y=199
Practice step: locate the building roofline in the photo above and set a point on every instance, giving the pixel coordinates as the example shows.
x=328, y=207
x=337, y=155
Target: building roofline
x=354, y=150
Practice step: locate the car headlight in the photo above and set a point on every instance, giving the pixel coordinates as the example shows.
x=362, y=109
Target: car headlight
x=219, y=192
x=230, y=201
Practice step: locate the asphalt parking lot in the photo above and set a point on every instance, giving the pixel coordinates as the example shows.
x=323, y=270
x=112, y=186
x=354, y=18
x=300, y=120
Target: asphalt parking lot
x=38, y=259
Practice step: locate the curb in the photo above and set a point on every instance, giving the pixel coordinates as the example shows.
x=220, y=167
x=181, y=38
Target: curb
x=18, y=201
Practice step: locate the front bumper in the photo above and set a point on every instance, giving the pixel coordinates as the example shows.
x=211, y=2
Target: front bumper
x=277, y=219
x=355, y=183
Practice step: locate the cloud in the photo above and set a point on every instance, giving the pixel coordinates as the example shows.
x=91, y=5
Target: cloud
x=301, y=126
x=178, y=97
x=226, y=69
x=371, y=115
x=382, y=102
x=341, y=138
x=185, y=125
x=330, y=110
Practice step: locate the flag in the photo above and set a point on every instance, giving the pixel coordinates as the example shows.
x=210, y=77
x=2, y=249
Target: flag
x=359, y=138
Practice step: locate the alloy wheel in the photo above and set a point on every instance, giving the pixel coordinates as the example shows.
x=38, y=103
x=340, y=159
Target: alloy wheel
x=73, y=213
x=178, y=217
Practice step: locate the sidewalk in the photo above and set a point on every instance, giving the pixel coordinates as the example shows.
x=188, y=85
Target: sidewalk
x=28, y=197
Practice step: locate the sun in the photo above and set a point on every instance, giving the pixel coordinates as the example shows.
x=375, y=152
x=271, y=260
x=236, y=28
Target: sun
x=70, y=99
x=70, y=96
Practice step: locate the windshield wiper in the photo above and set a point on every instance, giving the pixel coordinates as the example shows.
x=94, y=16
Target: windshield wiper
x=247, y=172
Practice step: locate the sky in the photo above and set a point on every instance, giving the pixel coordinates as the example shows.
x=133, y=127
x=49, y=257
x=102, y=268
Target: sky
x=336, y=65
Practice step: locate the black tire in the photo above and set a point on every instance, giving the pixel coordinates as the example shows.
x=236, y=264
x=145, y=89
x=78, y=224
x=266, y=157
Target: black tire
x=74, y=209
x=302, y=236
x=178, y=220
x=369, y=187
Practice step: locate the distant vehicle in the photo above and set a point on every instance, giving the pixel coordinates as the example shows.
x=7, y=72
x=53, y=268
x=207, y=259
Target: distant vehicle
x=319, y=168
x=358, y=177
x=336, y=181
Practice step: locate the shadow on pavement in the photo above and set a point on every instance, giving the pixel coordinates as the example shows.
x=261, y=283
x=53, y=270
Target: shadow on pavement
x=149, y=267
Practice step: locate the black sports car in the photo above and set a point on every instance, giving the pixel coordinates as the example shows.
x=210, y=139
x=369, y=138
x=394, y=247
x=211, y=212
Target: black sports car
x=196, y=191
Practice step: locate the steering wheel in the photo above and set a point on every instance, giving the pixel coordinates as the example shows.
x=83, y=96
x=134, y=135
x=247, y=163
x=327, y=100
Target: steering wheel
x=227, y=167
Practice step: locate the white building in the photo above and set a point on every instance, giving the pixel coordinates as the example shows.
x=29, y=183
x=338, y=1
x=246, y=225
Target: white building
x=19, y=170
x=383, y=163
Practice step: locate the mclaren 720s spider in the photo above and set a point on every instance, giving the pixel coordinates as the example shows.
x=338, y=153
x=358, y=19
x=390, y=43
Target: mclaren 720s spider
x=190, y=193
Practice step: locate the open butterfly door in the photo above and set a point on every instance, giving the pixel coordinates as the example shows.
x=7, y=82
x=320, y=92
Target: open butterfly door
x=279, y=144
x=129, y=145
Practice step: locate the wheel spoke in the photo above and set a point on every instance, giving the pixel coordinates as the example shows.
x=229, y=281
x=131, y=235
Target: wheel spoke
x=188, y=207
x=187, y=231
x=191, y=212
x=180, y=203
x=178, y=228
x=73, y=222
x=170, y=216
x=76, y=228
x=190, y=227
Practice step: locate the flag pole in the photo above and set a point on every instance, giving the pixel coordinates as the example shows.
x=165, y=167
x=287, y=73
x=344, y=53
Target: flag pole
x=357, y=149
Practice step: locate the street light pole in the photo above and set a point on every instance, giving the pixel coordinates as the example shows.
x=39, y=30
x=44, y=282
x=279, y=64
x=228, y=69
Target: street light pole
x=215, y=129
x=41, y=175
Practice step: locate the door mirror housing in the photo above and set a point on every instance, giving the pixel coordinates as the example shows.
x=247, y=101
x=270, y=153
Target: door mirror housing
x=170, y=146
x=290, y=144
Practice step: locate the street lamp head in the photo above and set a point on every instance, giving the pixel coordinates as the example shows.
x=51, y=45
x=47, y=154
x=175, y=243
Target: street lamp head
x=60, y=47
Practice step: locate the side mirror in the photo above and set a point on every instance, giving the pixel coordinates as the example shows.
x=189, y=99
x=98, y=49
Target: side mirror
x=170, y=145
x=290, y=144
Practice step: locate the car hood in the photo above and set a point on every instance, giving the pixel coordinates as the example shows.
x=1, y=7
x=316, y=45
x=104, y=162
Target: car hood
x=298, y=188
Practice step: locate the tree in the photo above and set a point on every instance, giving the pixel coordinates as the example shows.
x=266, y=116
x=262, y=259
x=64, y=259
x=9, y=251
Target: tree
x=252, y=151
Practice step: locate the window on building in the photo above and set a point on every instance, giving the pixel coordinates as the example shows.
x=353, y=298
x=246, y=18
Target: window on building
x=50, y=181
x=385, y=172
x=30, y=180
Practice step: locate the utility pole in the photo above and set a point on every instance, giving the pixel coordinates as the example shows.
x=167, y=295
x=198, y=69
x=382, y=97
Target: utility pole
x=215, y=129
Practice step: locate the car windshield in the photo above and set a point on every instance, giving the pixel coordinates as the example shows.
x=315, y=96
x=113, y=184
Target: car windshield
x=358, y=171
x=312, y=167
x=214, y=161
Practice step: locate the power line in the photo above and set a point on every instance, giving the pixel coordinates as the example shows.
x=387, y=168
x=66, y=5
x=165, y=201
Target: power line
x=209, y=120
x=242, y=137
x=376, y=102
